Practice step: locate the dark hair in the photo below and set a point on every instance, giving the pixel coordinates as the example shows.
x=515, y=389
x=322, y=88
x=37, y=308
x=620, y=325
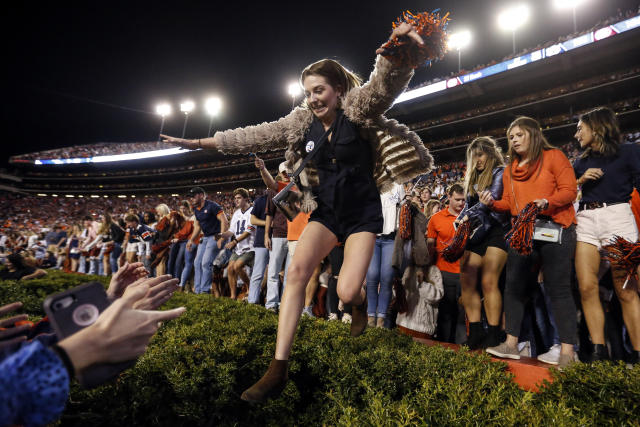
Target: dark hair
x=87, y=218
x=17, y=260
x=132, y=218
x=242, y=192
x=455, y=188
x=336, y=75
x=606, y=131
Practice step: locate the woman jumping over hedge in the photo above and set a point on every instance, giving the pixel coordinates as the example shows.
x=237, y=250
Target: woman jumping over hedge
x=364, y=154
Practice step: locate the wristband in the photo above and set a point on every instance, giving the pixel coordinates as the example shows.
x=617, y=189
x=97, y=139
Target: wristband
x=64, y=357
x=199, y=143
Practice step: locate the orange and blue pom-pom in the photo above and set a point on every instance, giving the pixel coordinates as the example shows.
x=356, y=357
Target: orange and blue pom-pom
x=624, y=255
x=455, y=247
x=402, y=52
x=405, y=221
x=520, y=237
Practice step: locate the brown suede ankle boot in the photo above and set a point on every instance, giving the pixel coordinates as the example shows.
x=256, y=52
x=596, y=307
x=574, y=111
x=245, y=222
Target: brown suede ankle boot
x=271, y=384
x=359, y=318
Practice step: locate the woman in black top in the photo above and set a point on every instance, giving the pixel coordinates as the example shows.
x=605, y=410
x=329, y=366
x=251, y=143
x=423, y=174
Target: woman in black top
x=607, y=171
x=346, y=202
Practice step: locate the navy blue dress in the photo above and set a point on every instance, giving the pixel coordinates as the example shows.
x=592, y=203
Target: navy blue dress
x=347, y=195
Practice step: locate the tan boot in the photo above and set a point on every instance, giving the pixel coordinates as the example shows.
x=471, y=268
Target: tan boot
x=380, y=322
x=271, y=384
x=371, y=323
x=359, y=318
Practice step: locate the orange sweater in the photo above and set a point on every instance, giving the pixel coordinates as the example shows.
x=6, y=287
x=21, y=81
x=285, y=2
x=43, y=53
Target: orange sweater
x=554, y=181
x=635, y=206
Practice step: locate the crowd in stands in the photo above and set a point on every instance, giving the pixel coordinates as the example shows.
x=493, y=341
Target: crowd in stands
x=231, y=161
x=620, y=16
x=93, y=150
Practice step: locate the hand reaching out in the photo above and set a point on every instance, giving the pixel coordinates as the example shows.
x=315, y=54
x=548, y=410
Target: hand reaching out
x=190, y=144
x=11, y=334
x=125, y=276
x=121, y=332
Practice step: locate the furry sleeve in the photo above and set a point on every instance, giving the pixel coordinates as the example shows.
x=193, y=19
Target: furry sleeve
x=377, y=95
x=266, y=136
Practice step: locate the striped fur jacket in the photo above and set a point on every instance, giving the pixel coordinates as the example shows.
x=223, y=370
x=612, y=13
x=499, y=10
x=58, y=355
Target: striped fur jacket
x=399, y=153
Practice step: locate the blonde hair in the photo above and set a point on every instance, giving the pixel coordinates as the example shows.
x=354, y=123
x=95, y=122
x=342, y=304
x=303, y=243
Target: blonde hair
x=163, y=209
x=476, y=181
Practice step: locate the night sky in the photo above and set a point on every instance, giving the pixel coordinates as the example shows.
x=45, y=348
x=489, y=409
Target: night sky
x=93, y=73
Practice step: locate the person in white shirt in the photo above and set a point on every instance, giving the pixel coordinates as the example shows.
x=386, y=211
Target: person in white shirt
x=242, y=234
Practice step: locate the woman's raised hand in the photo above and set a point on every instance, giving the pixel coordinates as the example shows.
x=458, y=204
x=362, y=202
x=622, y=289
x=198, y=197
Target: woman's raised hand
x=403, y=30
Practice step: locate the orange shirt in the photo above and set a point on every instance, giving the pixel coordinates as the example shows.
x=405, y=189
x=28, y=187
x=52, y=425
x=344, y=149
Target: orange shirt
x=441, y=229
x=295, y=227
x=635, y=206
x=554, y=181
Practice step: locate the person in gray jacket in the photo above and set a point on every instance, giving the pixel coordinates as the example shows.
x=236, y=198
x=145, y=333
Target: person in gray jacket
x=364, y=154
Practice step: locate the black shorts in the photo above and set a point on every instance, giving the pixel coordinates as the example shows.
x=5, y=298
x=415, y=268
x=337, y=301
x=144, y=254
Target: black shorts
x=494, y=238
x=369, y=219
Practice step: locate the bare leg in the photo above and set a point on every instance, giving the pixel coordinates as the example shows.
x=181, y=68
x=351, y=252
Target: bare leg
x=314, y=244
x=358, y=250
x=312, y=287
x=106, y=265
x=161, y=268
x=630, y=306
x=470, y=264
x=587, y=265
x=232, y=277
x=492, y=264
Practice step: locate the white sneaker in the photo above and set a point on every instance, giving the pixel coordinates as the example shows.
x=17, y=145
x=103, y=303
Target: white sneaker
x=333, y=316
x=346, y=318
x=307, y=311
x=552, y=356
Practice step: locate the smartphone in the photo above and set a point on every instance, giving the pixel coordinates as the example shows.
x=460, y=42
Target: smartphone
x=75, y=309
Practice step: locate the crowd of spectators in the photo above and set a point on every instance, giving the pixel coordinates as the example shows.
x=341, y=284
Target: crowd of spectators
x=602, y=23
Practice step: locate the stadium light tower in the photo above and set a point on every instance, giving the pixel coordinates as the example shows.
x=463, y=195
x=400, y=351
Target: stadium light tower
x=212, y=106
x=186, y=107
x=459, y=41
x=163, y=110
x=294, y=92
x=513, y=18
x=569, y=4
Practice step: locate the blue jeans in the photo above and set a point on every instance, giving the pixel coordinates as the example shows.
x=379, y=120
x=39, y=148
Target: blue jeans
x=94, y=265
x=113, y=257
x=207, y=251
x=279, y=251
x=260, y=262
x=189, y=257
x=82, y=264
x=380, y=272
x=176, y=259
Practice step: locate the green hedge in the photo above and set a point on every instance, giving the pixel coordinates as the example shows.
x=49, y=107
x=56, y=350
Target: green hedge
x=197, y=366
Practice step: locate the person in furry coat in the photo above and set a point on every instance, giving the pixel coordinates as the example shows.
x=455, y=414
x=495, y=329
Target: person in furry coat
x=335, y=105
